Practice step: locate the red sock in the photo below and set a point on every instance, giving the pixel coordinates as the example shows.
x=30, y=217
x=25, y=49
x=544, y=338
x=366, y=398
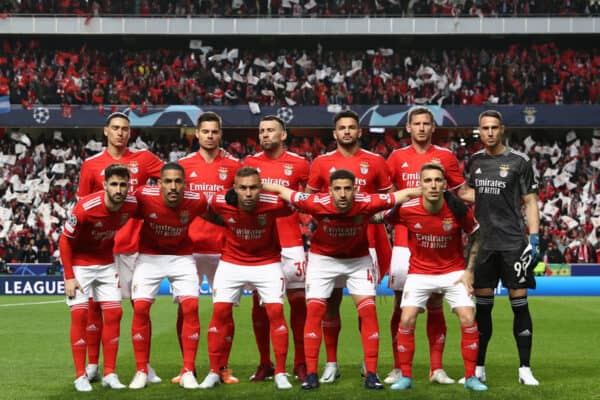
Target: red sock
x=220, y=335
x=297, y=302
x=112, y=313
x=436, y=333
x=79, y=313
x=179, y=326
x=394, y=324
x=190, y=333
x=369, y=333
x=469, y=348
x=140, y=332
x=93, y=331
x=260, y=323
x=406, y=349
x=279, y=334
x=315, y=311
x=331, y=334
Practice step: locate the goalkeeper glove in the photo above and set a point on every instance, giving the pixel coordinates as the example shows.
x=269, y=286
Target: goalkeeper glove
x=534, y=241
x=231, y=198
x=456, y=205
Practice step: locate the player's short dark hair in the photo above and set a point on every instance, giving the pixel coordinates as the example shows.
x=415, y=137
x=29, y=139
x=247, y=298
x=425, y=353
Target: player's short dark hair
x=346, y=114
x=117, y=114
x=116, y=169
x=434, y=166
x=209, y=116
x=419, y=110
x=491, y=113
x=172, y=166
x=274, y=118
x=341, y=174
x=246, y=171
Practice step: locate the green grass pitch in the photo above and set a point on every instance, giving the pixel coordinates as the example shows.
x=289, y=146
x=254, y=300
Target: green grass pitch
x=35, y=359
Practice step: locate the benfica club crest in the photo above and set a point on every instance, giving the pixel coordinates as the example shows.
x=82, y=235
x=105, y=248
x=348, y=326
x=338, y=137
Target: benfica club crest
x=184, y=216
x=223, y=173
x=447, y=224
x=529, y=115
x=133, y=167
x=261, y=219
x=288, y=169
x=504, y=170
x=364, y=167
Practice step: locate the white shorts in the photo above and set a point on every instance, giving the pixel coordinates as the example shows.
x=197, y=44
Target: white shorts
x=206, y=265
x=419, y=287
x=399, y=268
x=125, y=265
x=230, y=280
x=323, y=273
x=151, y=269
x=340, y=281
x=293, y=262
x=100, y=282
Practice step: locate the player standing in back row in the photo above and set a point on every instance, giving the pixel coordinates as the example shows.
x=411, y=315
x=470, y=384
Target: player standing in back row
x=502, y=180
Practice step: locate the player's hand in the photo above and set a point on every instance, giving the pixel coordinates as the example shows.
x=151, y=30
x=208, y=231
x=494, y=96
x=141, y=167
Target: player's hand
x=534, y=241
x=467, y=280
x=456, y=205
x=71, y=286
x=231, y=198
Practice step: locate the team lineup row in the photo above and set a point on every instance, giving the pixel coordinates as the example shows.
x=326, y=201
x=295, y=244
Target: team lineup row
x=212, y=215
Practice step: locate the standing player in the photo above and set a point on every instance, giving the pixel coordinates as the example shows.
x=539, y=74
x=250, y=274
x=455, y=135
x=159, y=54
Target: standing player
x=89, y=269
x=142, y=165
x=372, y=175
x=339, y=253
x=437, y=266
x=276, y=165
x=166, y=252
x=405, y=165
x=502, y=180
x=251, y=256
x=209, y=170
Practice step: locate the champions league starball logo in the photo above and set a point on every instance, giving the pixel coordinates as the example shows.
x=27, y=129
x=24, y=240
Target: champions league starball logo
x=41, y=115
x=286, y=114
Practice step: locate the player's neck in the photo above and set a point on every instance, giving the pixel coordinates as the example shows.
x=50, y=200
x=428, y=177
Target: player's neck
x=348, y=151
x=274, y=153
x=421, y=148
x=209, y=154
x=110, y=204
x=495, y=150
x=433, y=207
x=116, y=152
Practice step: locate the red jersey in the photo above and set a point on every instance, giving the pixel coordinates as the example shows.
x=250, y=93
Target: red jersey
x=371, y=172
x=251, y=237
x=90, y=230
x=289, y=170
x=208, y=178
x=341, y=235
x=405, y=167
x=142, y=166
x=435, y=241
x=165, y=229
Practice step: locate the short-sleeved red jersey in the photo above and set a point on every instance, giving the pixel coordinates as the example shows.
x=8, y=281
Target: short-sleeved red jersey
x=251, y=237
x=289, y=170
x=165, y=229
x=434, y=240
x=91, y=229
x=341, y=235
x=142, y=166
x=208, y=178
x=370, y=170
x=405, y=166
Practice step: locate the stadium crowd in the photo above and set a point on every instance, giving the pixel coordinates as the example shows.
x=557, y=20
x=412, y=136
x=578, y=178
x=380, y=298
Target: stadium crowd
x=306, y=8
x=39, y=180
x=536, y=73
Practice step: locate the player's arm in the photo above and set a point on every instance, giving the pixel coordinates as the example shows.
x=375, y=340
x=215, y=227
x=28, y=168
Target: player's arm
x=466, y=193
x=282, y=191
x=66, y=256
x=404, y=195
x=532, y=215
x=468, y=276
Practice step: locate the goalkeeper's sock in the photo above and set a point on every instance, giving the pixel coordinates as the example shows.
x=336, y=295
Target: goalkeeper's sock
x=436, y=334
x=260, y=324
x=483, y=317
x=112, y=313
x=79, y=314
x=522, y=328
